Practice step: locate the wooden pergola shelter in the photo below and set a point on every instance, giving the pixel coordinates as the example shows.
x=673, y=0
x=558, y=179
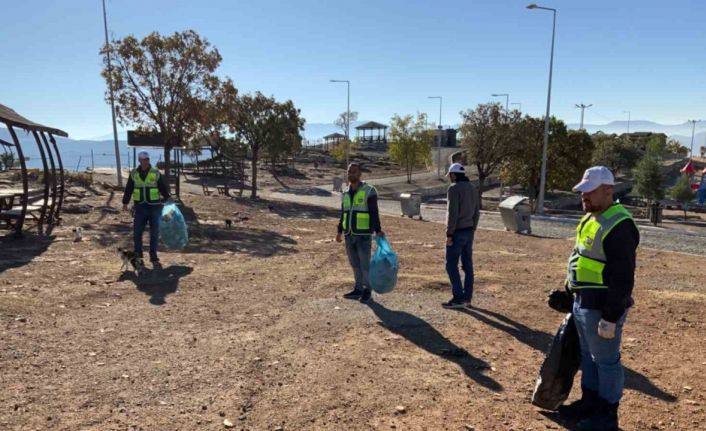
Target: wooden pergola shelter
x=376, y=137
x=146, y=140
x=41, y=204
x=332, y=140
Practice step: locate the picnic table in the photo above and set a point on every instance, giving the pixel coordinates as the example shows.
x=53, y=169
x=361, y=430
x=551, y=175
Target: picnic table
x=6, y=200
x=7, y=197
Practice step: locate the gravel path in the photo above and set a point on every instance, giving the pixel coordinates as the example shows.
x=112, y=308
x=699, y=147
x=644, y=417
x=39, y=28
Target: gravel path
x=669, y=239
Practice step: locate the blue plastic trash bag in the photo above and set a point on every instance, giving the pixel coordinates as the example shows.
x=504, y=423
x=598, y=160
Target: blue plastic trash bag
x=172, y=227
x=383, y=267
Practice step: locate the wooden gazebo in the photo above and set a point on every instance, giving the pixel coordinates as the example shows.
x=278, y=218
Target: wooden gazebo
x=41, y=204
x=332, y=140
x=374, y=135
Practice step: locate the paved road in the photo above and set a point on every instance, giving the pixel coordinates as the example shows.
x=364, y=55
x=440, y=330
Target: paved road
x=670, y=239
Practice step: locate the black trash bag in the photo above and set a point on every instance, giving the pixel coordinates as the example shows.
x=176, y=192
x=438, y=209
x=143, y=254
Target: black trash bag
x=556, y=377
x=560, y=300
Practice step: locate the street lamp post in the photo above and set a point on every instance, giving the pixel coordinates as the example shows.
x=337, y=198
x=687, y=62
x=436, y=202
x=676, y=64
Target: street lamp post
x=507, y=99
x=112, y=99
x=628, y=112
x=693, y=130
x=519, y=104
x=348, y=118
x=545, y=143
x=438, y=144
x=582, y=107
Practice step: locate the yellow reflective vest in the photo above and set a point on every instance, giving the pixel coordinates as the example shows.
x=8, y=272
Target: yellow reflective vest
x=588, y=260
x=145, y=191
x=356, y=215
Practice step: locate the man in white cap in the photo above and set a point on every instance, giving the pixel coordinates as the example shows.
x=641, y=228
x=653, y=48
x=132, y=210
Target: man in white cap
x=462, y=214
x=144, y=188
x=600, y=277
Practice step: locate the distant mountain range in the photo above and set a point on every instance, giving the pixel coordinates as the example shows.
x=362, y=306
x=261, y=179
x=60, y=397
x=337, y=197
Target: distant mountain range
x=312, y=131
x=74, y=153
x=641, y=126
x=680, y=132
x=78, y=152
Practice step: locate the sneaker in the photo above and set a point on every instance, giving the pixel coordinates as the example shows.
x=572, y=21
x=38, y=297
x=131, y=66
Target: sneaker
x=453, y=305
x=354, y=294
x=467, y=303
x=365, y=297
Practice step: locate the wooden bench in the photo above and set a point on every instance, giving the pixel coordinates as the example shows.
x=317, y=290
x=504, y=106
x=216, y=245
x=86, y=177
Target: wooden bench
x=15, y=212
x=222, y=190
x=206, y=190
x=234, y=185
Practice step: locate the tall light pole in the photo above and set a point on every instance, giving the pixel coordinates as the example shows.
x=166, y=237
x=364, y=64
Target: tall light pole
x=693, y=130
x=582, y=107
x=438, y=143
x=518, y=104
x=543, y=178
x=348, y=118
x=112, y=99
x=628, y=112
x=507, y=98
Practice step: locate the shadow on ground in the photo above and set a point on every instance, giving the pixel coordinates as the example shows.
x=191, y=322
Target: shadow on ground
x=255, y=242
x=16, y=252
x=426, y=337
x=291, y=209
x=541, y=341
x=205, y=238
x=158, y=282
x=305, y=191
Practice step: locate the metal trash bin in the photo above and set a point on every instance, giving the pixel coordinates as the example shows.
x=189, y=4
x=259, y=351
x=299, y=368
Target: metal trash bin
x=515, y=212
x=337, y=184
x=411, y=204
x=655, y=213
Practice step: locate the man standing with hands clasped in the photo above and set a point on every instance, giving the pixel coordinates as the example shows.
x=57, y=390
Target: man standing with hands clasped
x=462, y=215
x=601, y=274
x=360, y=217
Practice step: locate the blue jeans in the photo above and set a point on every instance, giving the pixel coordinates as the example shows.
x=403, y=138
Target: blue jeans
x=145, y=214
x=358, y=248
x=601, y=370
x=462, y=248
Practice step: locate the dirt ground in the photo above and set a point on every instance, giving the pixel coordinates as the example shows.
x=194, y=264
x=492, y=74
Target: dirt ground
x=303, y=174
x=247, y=325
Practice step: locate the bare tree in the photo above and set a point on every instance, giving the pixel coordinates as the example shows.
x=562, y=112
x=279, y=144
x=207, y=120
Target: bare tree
x=488, y=133
x=165, y=85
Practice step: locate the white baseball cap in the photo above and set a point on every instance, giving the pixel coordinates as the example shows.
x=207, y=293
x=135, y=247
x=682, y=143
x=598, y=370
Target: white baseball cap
x=593, y=178
x=143, y=155
x=456, y=168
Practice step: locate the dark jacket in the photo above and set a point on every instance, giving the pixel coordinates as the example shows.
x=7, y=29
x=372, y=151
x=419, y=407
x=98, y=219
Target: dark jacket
x=462, y=209
x=130, y=186
x=372, y=208
x=619, y=274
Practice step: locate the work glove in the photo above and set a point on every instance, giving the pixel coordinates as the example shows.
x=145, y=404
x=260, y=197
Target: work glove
x=606, y=329
x=560, y=300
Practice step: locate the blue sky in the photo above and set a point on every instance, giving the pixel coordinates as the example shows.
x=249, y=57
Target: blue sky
x=644, y=56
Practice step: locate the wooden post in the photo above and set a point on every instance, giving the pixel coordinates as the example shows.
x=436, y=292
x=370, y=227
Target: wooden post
x=61, y=177
x=45, y=195
x=25, y=184
x=52, y=208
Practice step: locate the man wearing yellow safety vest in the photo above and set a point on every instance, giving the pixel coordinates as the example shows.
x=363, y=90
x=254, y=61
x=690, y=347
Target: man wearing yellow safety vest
x=144, y=188
x=600, y=276
x=359, y=219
